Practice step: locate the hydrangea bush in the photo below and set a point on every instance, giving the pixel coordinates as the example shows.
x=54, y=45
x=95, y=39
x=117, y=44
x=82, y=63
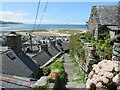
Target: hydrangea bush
x=104, y=75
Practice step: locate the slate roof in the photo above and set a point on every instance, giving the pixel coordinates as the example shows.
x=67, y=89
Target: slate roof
x=114, y=27
x=3, y=49
x=41, y=58
x=108, y=15
x=53, y=51
x=105, y=14
x=17, y=64
x=10, y=82
x=2, y=42
x=58, y=48
x=65, y=45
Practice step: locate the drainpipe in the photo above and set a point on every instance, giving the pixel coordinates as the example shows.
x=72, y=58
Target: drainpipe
x=30, y=41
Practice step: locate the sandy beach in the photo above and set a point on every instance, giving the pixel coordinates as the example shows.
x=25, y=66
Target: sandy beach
x=55, y=32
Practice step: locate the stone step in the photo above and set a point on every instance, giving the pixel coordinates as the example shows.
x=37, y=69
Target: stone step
x=75, y=85
x=117, y=49
x=115, y=52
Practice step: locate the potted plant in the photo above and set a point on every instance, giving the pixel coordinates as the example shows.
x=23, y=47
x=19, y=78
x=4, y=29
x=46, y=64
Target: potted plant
x=54, y=74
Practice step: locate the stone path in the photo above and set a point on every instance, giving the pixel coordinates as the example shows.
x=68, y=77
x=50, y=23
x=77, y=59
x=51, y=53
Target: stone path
x=69, y=69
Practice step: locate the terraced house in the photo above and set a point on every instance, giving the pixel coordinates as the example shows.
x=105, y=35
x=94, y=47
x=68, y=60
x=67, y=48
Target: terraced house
x=104, y=18
x=15, y=62
x=104, y=22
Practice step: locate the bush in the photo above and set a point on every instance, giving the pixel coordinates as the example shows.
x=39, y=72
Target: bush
x=77, y=47
x=46, y=71
x=58, y=65
x=104, y=75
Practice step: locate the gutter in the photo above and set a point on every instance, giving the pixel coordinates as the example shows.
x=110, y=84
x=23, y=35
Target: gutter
x=51, y=60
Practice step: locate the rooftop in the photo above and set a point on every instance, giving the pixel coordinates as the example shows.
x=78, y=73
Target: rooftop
x=106, y=14
x=8, y=81
x=17, y=64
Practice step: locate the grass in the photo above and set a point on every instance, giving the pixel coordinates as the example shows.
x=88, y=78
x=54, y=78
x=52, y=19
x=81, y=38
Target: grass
x=79, y=75
x=33, y=31
x=69, y=31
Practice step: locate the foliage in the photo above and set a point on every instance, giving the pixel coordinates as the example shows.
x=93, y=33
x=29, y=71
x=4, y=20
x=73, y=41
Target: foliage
x=103, y=47
x=79, y=75
x=46, y=71
x=58, y=65
x=33, y=31
x=103, y=33
x=41, y=88
x=104, y=76
x=69, y=31
x=86, y=36
x=38, y=74
x=79, y=78
x=77, y=47
x=44, y=87
x=74, y=63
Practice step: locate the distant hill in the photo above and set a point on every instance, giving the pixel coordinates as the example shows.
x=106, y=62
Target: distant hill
x=9, y=22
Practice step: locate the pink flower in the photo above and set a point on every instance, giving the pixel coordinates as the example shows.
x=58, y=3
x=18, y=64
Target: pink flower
x=90, y=74
x=105, y=80
x=117, y=68
x=99, y=85
x=87, y=86
x=93, y=80
x=103, y=72
x=108, y=68
x=97, y=69
x=108, y=75
x=118, y=87
x=88, y=83
x=94, y=65
x=116, y=79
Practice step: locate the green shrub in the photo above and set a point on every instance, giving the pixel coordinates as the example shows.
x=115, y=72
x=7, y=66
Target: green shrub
x=41, y=88
x=46, y=71
x=59, y=66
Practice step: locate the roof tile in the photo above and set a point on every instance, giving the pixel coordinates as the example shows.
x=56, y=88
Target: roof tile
x=26, y=84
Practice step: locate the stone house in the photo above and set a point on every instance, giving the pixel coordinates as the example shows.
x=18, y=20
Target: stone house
x=104, y=19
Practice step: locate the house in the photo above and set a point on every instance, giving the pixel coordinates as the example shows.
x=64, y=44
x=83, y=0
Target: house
x=10, y=82
x=54, y=50
x=14, y=61
x=65, y=46
x=44, y=56
x=17, y=64
x=104, y=19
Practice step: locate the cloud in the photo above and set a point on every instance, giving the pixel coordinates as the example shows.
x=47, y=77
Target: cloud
x=12, y=16
x=22, y=17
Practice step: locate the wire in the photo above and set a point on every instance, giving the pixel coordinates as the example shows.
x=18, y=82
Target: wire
x=37, y=14
x=43, y=14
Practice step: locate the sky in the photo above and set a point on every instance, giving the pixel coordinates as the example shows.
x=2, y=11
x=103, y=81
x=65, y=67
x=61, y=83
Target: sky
x=56, y=12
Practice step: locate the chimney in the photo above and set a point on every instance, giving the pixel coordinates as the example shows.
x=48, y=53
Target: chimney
x=14, y=41
x=44, y=47
x=53, y=43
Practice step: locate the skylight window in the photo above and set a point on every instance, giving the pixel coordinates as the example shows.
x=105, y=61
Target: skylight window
x=11, y=55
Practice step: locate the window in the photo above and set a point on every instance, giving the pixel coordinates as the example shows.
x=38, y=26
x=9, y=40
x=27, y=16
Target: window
x=117, y=32
x=11, y=55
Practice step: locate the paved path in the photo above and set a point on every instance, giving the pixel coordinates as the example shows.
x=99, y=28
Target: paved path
x=69, y=69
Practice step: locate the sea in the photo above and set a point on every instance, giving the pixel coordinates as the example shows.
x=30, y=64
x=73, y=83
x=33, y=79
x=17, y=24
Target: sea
x=22, y=27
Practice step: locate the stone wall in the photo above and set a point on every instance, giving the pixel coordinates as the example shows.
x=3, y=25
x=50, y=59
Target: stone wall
x=116, y=51
x=90, y=57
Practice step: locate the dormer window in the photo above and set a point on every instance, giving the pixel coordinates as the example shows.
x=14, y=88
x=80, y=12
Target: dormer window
x=11, y=55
